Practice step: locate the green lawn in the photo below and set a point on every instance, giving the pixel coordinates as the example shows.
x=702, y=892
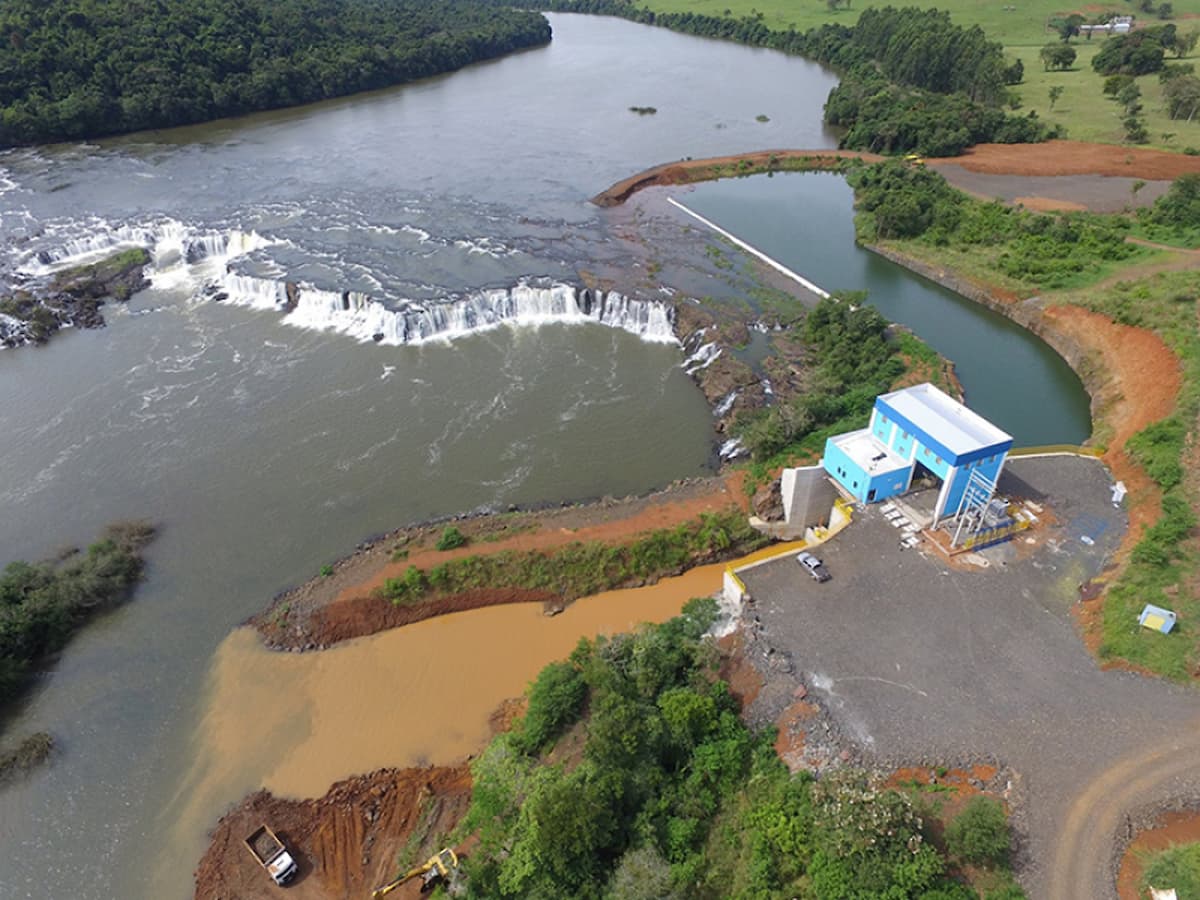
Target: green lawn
x=1022, y=27
x=1084, y=110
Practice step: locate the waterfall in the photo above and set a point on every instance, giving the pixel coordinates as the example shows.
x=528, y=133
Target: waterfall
x=365, y=319
x=182, y=256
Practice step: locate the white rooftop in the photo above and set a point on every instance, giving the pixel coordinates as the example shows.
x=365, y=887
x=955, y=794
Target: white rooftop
x=869, y=454
x=944, y=418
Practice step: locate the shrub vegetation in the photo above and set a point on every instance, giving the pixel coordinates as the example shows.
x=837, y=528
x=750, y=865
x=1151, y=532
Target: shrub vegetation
x=1176, y=867
x=979, y=834
x=579, y=569
x=41, y=604
x=669, y=795
x=1036, y=250
x=451, y=538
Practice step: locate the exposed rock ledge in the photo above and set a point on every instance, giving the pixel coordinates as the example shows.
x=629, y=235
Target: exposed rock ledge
x=72, y=297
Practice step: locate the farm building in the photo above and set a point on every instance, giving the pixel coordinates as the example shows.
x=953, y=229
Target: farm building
x=915, y=430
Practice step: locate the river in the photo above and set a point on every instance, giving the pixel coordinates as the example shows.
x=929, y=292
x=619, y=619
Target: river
x=267, y=445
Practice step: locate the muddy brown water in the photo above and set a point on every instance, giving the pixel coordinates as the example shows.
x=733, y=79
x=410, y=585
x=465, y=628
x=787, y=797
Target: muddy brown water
x=294, y=723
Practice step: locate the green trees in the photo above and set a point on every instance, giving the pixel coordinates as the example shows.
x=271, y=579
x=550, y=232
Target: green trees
x=555, y=701
x=41, y=605
x=1182, y=96
x=71, y=69
x=1137, y=53
x=1057, y=56
x=850, y=362
x=979, y=834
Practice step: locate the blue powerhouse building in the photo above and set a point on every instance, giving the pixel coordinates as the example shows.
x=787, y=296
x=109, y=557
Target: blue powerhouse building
x=918, y=427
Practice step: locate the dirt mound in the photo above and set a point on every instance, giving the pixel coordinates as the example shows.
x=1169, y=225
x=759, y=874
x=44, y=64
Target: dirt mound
x=1074, y=158
x=346, y=843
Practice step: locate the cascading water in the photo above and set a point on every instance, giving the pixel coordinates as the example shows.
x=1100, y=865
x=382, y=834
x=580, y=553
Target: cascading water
x=206, y=260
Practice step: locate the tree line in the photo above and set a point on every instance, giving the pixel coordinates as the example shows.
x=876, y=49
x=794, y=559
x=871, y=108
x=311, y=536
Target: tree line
x=73, y=69
x=911, y=80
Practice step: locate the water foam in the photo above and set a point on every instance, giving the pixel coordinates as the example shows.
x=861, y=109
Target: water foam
x=204, y=260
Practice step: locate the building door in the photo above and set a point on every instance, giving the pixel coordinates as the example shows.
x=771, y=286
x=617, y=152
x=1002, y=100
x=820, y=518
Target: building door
x=871, y=495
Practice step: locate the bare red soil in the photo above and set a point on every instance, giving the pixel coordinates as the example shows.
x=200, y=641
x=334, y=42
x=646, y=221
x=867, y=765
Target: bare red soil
x=1074, y=158
x=1172, y=828
x=346, y=843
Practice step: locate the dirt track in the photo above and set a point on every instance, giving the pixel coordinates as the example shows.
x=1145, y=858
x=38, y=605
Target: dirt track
x=1117, y=803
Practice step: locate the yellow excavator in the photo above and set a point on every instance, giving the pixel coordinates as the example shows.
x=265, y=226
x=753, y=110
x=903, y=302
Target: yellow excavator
x=433, y=870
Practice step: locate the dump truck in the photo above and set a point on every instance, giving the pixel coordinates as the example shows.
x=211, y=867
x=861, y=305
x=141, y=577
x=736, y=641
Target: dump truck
x=272, y=855
x=433, y=870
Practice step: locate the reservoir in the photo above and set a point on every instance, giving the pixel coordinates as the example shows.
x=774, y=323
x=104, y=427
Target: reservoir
x=267, y=445
x=806, y=222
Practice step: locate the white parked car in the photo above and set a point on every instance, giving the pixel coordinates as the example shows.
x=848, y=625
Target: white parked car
x=813, y=566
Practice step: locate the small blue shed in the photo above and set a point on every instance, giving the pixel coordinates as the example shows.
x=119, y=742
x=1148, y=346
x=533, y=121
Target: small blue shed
x=918, y=427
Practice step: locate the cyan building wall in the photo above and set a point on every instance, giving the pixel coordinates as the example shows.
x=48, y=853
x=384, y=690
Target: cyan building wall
x=845, y=471
x=887, y=485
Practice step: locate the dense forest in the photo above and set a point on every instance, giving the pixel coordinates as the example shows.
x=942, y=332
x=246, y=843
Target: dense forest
x=911, y=80
x=632, y=775
x=71, y=69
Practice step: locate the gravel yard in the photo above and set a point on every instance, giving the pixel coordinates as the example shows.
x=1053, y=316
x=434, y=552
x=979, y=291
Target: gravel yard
x=915, y=660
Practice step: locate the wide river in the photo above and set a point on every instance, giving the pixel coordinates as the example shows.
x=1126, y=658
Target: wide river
x=266, y=445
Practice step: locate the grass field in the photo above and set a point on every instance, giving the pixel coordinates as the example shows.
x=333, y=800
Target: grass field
x=1021, y=26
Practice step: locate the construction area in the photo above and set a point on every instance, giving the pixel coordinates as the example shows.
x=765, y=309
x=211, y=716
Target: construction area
x=912, y=655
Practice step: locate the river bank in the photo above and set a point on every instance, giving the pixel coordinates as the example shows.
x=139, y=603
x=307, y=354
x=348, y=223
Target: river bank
x=1128, y=390
x=345, y=604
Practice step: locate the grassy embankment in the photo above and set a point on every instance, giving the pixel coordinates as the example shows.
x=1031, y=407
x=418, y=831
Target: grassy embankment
x=1175, y=867
x=1164, y=567
x=1083, y=110
x=632, y=775
x=580, y=569
x=1070, y=259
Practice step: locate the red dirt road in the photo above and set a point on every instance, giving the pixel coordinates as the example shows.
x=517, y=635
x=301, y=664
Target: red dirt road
x=1074, y=158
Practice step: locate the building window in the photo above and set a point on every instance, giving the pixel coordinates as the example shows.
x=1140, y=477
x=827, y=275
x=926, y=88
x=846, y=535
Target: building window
x=939, y=460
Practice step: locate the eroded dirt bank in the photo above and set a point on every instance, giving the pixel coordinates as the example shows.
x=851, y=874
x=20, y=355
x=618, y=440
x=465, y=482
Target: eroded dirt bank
x=1106, y=162
x=346, y=842
x=334, y=608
